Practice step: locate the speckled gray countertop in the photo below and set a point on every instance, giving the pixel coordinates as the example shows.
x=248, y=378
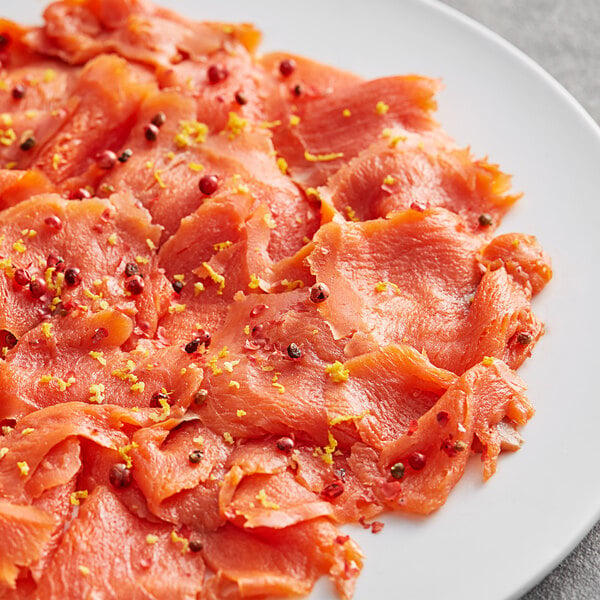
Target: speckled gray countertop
x=563, y=36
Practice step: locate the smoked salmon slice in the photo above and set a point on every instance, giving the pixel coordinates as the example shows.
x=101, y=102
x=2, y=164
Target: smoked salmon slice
x=245, y=300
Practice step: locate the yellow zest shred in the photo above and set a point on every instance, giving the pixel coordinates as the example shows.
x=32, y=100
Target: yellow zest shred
x=222, y=246
x=234, y=384
x=235, y=125
x=177, y=539
x=47, y=330
x=97, y=393
x=3, y=452
x=56, y=161
x=262, y=498
x=292, y=285
x=228, y=437
x=165, y=411
x=270, y=124
x=247, y=329
x=23, y=468
x=151, y=539
x=487, y=361
x=283, y=165
x=159, y=179
x=141, y=260
x=254, y=282
x=269, y=221
x=381, y=108
x=322, y=157
x=61, y=383
x=389, y=180
x=19, y=246
x=83, y=570
x=49, y=75
x=229, y=365
x=328, y=450
x=382, y=286
x=198, y=288
x=7, y=137
x=337, y=372
x=27, y=431
x=351, y=213
x=112, y=239
x=396, y=140
x=344, y=418
x=138, y=387
x=76, y=497
x=346, y=112
x=99, y=356
x=313, y=192
x=196, y=167
x=150, y=244
x=176, y=308
x=191, y=133
x=124, y=453
x=218, y=279
x=241, y=413
x=294, y=120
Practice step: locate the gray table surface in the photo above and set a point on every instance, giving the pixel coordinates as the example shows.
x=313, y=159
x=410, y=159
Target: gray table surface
x=563, y=36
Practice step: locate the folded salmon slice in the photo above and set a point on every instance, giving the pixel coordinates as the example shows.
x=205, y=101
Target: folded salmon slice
x=114, y=232
x=446, y=303
x=285, y=562
x=74, y=365
x=95, y=554
x=392, y=176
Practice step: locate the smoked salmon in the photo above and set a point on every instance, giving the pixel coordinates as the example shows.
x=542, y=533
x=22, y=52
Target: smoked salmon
x=244, y=300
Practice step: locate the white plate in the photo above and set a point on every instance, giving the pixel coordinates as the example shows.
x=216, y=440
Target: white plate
x=490, y=541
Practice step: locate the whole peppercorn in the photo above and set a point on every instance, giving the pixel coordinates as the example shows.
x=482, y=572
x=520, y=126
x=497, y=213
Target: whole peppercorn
x=293, y=351
x=287, y=66
x=151, y=132
x=106, y=160
x=159, y=119
x=208, y=184
x=195, y=456
x=134, y=285
x=72, y=277
x=131, y=269
x=217, y=74
x=485, y=220
x=27, y=144
x=417, y=461
x=37, y=288
x=53, y=222
x=22, y=277
x=285, y=444
x=19, y=91
x=240, y=98
x=120, y=476
x=319, y=293
x=333, y=490
x=397, y=470
x=125, y=155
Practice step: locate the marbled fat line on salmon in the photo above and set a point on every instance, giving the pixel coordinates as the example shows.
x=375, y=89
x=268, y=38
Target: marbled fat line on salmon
x=181, y=416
